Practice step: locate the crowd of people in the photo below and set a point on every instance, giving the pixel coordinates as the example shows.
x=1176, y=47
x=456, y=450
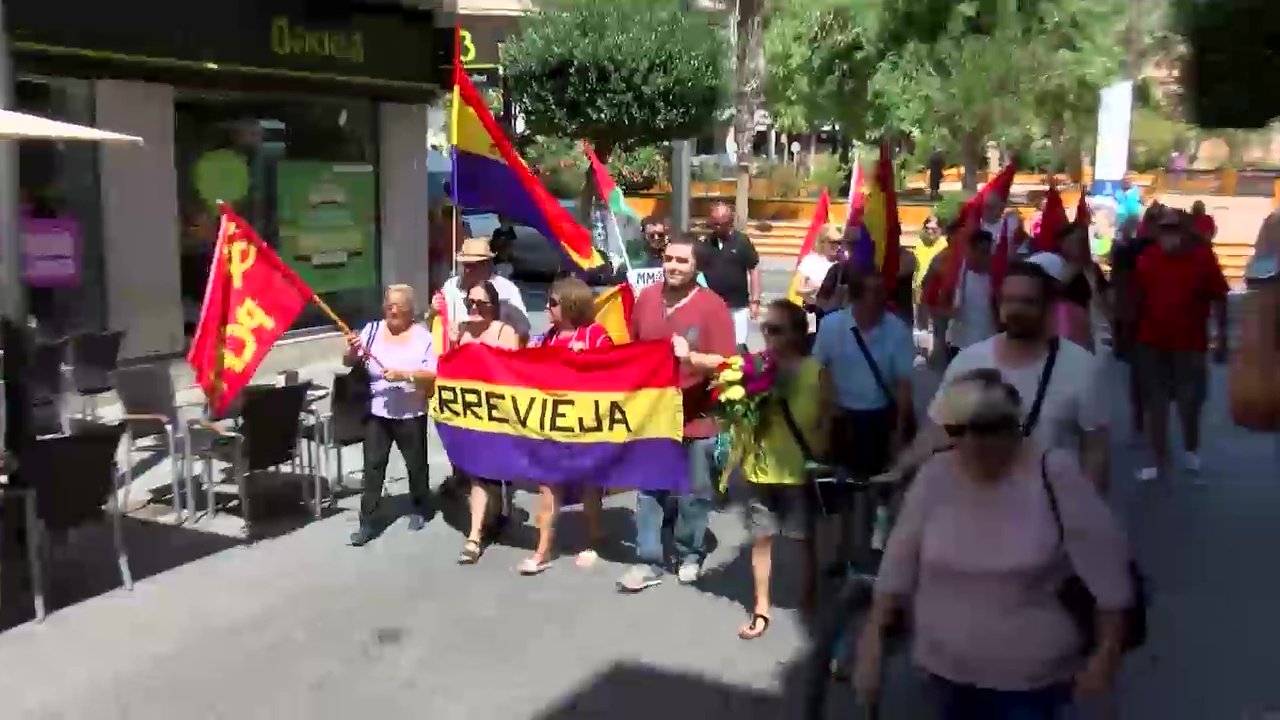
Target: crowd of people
x=996, y=493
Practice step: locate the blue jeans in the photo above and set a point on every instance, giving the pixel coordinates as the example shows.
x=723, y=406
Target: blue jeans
x=967, y=702
x=693, y=511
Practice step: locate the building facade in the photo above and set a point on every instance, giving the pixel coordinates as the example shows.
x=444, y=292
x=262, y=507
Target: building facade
x=308, y=117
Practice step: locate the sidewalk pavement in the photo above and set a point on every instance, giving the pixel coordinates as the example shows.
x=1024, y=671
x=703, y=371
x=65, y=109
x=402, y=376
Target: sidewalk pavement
x=301, y=626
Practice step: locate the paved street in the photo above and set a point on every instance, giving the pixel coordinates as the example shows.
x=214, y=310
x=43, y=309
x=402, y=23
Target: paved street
x=301, y=626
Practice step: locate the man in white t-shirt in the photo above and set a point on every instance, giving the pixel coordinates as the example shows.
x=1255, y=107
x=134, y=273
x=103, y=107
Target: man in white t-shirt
x=475, y=260
x=1073, y=414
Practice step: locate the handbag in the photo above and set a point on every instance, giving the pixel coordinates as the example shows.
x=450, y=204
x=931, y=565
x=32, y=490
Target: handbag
x=1078, y=600
x=352, y=388
x=910, y=429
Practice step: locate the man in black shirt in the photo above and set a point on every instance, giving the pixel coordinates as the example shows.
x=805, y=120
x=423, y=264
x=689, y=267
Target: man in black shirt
x=730, y=264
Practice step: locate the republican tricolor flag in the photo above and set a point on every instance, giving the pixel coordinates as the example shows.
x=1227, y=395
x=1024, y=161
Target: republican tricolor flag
x=489, y=175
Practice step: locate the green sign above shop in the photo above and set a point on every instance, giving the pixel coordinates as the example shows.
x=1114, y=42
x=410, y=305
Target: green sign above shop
x=384, y=45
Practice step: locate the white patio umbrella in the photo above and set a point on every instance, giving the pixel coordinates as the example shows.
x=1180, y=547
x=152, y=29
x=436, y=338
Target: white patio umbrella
x=21, y=126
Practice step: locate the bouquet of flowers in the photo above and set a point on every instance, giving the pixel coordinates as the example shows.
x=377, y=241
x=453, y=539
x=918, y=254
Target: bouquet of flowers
x=739, y=390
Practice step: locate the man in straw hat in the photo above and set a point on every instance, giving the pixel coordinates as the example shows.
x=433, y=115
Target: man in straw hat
x=475, y=262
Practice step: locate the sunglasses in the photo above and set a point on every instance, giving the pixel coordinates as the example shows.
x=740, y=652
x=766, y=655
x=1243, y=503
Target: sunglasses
x=772, y=329
x=474, y=303
x=982, y=428
x=656, y=235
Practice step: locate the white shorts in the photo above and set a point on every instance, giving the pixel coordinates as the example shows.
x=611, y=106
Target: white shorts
x=741, y=325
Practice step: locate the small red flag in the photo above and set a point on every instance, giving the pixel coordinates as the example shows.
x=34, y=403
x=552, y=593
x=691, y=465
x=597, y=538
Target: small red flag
x=252, y=297
x=958, y=245
x=1052, y=222
x=1083, y=215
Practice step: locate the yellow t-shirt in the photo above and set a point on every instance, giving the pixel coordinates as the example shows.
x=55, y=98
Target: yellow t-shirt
x=778, y=460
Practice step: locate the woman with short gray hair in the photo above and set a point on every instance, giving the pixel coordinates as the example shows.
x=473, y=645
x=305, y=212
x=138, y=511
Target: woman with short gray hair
x=399, y=356
x=988, y=533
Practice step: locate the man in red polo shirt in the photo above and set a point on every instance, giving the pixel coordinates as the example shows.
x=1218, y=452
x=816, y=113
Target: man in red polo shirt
x=1178, y=284
x=680, y=306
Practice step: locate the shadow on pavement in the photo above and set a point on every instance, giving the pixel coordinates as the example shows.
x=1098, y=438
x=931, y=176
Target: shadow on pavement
x=83, y=564
x=637, y=691
x=733, y=580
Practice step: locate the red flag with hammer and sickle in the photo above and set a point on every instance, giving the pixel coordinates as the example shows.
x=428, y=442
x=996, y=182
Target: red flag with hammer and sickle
x=251, y=298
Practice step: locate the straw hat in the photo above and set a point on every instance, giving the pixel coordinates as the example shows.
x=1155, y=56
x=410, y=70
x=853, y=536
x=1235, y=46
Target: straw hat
x=475, y=250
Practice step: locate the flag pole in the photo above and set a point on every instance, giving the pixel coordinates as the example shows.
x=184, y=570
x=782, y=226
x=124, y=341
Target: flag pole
x=345, y=328
x=454, y=218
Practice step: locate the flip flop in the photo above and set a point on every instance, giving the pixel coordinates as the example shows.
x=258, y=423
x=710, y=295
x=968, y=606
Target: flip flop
x=746, y=632
x=529, y=566
x=471, y=553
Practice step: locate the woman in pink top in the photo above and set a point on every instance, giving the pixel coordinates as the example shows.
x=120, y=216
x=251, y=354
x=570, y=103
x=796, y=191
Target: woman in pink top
x=977, y=558
x=483, y=327
x=571, y=308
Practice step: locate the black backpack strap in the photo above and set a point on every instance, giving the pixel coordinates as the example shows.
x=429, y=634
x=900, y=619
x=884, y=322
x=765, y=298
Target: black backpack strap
x=875, y=367
x=795, y=431
x=1033, y=417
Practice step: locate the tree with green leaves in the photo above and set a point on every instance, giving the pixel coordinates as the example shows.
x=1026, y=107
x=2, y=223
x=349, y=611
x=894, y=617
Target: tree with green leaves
x=618, y=73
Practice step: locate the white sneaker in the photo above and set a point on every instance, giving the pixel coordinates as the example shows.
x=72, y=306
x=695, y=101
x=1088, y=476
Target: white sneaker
x=1191, y=461
x=688, y=573
x=1147, y=474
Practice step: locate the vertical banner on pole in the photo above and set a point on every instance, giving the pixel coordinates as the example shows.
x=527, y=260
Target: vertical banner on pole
x=1111, y=159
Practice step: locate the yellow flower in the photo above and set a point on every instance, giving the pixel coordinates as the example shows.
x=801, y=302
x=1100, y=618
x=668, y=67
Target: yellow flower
x=730, y=375
x=736, y=362
x=734, y=393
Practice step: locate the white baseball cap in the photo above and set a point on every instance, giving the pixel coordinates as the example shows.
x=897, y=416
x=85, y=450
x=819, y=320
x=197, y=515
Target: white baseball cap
x=1051, y=263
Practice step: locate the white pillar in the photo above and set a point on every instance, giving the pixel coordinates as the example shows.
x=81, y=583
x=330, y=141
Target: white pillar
x=140, y=224
x=402, y=168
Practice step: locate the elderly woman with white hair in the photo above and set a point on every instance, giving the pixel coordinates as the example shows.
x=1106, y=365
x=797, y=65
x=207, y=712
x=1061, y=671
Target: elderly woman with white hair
x=989, y=533
x=399, y=356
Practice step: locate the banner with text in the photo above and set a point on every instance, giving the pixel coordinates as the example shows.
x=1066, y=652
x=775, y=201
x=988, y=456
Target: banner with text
x=611, y=417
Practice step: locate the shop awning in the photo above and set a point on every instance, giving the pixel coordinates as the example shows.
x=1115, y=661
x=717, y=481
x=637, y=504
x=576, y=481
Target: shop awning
x=20, y=126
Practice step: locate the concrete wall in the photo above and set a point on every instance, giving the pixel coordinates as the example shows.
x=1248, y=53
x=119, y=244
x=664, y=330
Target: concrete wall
x=140, y=218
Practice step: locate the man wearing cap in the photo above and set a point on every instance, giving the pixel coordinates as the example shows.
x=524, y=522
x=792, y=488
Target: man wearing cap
x=1177, y=285
x=475, y=260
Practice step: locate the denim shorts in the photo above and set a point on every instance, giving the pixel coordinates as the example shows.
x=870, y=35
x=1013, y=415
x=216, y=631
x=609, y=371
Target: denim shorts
x=786, y=510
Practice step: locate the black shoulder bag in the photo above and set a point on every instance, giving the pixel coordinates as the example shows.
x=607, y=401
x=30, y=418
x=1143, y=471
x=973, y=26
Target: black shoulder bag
x=352, y=388
x=1033, y=417
x=884, y=386
x=1078, y=600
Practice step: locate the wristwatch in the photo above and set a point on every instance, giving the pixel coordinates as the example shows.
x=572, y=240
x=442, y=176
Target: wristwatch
x=1261, y=271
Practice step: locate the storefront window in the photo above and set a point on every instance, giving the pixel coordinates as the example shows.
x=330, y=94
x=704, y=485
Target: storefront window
x=60, y=212
x=303, y=171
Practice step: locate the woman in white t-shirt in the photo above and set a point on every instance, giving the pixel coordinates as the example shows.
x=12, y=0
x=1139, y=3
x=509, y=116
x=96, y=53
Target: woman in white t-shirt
x=813, y=267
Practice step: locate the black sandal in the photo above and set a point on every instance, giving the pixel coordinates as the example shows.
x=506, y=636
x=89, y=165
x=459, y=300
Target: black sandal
x=746, y=634
x=471, y=553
